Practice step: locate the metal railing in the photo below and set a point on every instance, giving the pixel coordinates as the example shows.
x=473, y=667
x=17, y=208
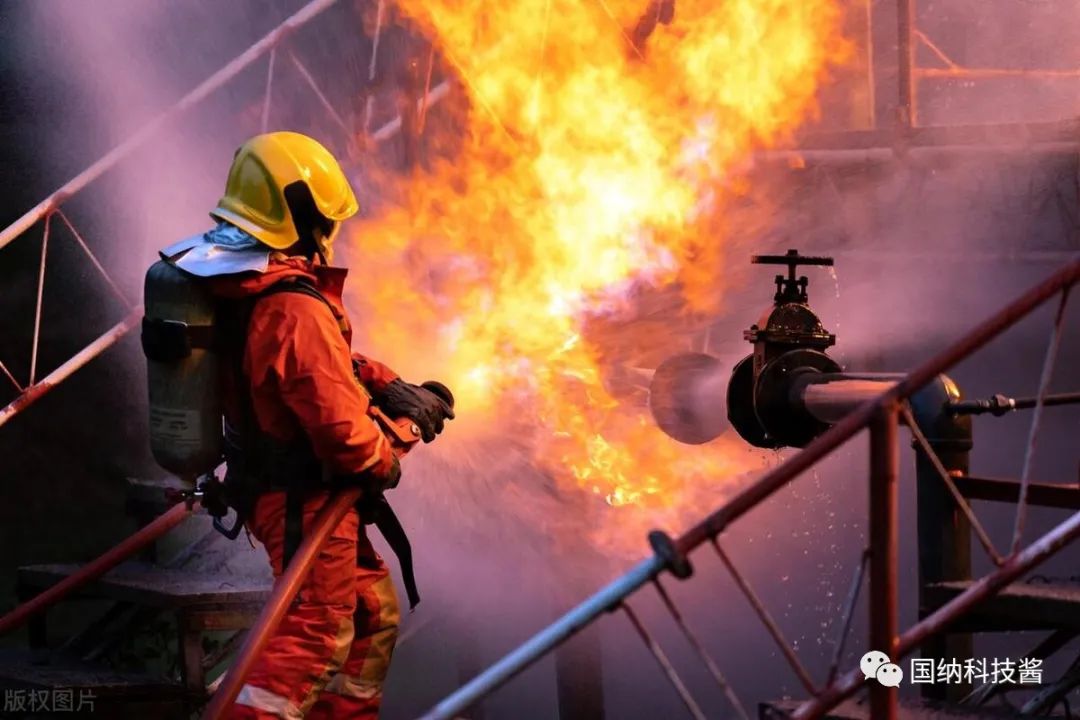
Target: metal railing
x=903, y=134
x=882, y=416
x=49, y=208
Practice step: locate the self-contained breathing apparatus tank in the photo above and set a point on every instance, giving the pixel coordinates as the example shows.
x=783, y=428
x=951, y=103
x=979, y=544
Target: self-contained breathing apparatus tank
x=182, y=372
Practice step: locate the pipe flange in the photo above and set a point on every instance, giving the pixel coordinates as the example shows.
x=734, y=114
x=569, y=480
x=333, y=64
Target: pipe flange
x=786, y=422
x=674, y=560
x=740, y=406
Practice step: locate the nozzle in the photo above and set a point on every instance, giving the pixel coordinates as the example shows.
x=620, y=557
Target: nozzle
x=687, y=397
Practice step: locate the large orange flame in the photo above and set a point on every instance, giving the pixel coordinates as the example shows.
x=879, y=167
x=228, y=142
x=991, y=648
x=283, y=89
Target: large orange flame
x=591, y=161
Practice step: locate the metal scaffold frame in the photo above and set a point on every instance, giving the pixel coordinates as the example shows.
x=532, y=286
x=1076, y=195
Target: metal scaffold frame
x=882, y=416
x=34, y=387
x=904, y=134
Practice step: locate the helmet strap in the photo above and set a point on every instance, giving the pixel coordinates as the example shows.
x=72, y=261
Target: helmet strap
x=307, y=219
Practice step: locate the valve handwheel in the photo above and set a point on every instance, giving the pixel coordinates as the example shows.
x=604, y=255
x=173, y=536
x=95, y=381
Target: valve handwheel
x=791, y=288
x=792, y=259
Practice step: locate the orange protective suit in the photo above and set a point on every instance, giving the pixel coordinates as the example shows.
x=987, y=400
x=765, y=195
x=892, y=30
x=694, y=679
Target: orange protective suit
x=331, y=653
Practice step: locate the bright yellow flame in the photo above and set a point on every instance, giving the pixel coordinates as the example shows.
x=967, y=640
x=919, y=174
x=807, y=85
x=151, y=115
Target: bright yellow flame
x=581, y=167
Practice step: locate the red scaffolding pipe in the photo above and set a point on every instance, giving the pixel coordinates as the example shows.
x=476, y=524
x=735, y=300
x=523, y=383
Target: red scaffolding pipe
x=884, y=549
x=31, y=394
x=97, y=567
x=212, y=83
x=905, y=24
x=285, y=590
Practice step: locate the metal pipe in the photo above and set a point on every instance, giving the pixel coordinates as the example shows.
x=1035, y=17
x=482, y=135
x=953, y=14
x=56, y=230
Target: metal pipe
x=931, y=457
x=884, y=552
x=905, y=25
x=849, y=614
x=1057, y=495
x=392, y=127
x=944, y=531
x=97, y=567
x=88, y=353
x=321, y=96
x=204, y=88
x=93, y=258
x=369, y=101
x=715, y=522
x=264, y=120
x=767, y=620
x=984, y=73
x=30, y=394
x=9, y=376
x=1013, y=135
x=1055, y=137
x=285, y=589
x=1014, y=568
x=40, y=295
x=1036, y=417
x=612, y=595
x=665, y=665
x=702, y=653
x=1000, y=405
x=800, y=158
x=830, y=401
x=539, y=644
x=870, y=75
x=422, y=112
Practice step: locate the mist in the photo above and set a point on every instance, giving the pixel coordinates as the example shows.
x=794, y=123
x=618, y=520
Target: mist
x=925, y=246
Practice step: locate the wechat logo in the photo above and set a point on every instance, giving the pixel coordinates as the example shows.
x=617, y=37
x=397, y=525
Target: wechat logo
x=876, y=665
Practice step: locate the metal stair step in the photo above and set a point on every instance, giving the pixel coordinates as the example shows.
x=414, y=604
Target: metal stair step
x=29, y=670
x=1031, y=606
x=909, y=709
x=155, y=586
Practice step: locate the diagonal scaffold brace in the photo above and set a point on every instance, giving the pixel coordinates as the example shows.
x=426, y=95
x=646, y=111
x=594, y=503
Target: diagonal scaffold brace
x=285, y=589
x=100, y=565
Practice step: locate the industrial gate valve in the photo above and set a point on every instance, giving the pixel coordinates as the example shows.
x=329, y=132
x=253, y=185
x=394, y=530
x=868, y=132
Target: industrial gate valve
x=764, y=390
x=789, y=342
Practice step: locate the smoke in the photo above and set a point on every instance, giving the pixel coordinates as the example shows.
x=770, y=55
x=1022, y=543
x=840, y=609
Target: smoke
x=1003, y=34
x=129, y=61
x=924, y=247
x=497, y=550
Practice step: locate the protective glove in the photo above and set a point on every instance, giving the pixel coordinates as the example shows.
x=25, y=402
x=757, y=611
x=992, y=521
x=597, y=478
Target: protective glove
x=425, y=408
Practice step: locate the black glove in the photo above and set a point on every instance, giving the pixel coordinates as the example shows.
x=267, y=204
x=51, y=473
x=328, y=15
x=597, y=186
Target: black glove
x=425, y=408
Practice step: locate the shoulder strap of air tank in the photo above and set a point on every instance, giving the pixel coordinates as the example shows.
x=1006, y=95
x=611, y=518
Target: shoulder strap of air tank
x=302, y=286
x=294, y=491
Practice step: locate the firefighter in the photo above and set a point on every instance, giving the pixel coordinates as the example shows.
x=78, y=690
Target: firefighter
x=297, y=423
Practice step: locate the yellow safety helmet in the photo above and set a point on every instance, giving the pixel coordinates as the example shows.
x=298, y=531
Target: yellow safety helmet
x=263, y=167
